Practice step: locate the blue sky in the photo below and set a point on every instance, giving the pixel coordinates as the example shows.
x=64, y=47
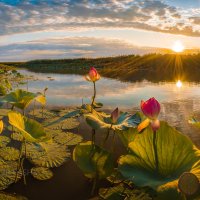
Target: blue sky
x=33, y=29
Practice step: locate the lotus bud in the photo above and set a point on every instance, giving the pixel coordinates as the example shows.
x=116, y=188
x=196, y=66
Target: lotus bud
x=115, y=115
x=151, y=108
x=155, y=125
x=93, y=75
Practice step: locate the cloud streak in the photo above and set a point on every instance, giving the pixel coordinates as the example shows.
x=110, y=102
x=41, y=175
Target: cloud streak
x=46, y=15
x=71, y=47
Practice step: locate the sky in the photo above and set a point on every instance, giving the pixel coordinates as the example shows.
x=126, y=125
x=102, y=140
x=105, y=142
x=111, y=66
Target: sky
x=54, y=29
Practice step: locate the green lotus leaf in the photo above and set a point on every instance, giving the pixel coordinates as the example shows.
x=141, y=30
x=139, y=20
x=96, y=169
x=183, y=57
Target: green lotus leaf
x=19, y=98
x=62, y=123
x=8, y=173
x=99, y=120
x=9, y=153
x=30, y=129
x=176, y=155
x=93, y=160
x=41, y=173
x=48, y=154
x=68, y=138
x=7, y=196
x=127, y=136
x=40, y=98
x=97, y=105
x=4, y=140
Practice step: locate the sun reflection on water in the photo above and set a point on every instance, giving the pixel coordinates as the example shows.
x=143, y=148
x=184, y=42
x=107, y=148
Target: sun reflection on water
x=179, y=84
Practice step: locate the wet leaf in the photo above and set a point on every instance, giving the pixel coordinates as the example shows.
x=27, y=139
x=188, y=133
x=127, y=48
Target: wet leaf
x=41, y=173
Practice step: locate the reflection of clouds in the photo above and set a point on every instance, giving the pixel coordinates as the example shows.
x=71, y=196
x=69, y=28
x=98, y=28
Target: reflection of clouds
x=110, y=91
x=177, y=104
x=177, y=114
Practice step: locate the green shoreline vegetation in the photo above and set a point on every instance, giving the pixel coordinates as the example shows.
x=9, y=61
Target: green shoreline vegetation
x=151, y=67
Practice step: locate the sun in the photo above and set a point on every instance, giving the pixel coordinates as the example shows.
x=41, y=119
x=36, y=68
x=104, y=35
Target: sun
x=178, y=47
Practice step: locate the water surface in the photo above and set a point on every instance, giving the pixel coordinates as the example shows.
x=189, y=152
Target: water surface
x=178, y=104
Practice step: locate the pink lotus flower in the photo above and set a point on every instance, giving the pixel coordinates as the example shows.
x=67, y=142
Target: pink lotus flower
x=151, y=108
x=115, y=115
x=93, y=75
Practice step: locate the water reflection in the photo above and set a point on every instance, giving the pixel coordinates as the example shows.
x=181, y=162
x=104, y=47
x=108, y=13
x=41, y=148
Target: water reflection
x=178, y=103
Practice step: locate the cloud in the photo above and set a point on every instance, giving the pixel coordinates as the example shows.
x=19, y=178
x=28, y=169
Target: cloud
x=70, y=47
x=29, y=16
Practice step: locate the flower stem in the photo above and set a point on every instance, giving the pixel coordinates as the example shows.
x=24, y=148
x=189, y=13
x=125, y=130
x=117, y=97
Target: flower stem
x=93, y=136
x=94, y=96
x=155, y=150
x=19, y=162
x=94, y=185
x=113, y=142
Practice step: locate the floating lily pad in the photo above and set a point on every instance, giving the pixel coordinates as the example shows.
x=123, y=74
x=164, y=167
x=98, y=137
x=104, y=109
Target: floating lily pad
x=60, y=123
x=17, y=136
x=67, y=138
x=8, y=173
x=124, y=192
x=41, y=173
x=45, y=114
x=47, y=154
x=9, y=153
x=69, y=112
x=6, y=196
x=4, y=141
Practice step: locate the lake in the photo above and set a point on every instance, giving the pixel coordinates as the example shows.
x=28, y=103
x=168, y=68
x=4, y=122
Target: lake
x=178, y=103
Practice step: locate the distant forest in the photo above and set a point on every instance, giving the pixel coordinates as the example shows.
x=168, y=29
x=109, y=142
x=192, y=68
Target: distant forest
x=152, y=67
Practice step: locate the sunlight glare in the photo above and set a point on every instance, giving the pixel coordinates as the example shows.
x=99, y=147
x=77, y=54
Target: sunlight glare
x=179, y=84
x=178, y=47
